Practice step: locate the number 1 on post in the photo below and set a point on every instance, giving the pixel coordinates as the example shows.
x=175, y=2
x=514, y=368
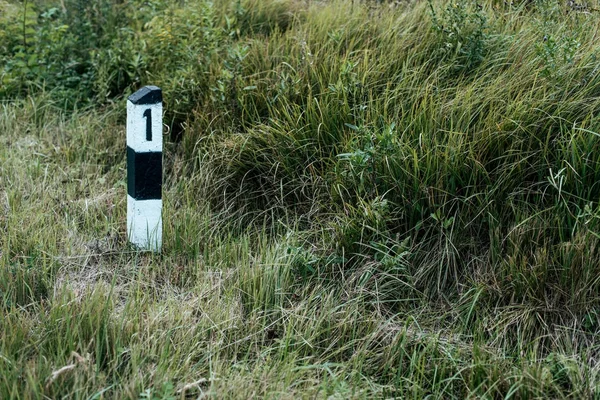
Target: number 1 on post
x=148, y=116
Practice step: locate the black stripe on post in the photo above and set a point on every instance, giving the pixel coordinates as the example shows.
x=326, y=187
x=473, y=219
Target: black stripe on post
x=144, y=175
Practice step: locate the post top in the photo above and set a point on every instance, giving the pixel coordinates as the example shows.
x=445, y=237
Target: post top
x=146, y=95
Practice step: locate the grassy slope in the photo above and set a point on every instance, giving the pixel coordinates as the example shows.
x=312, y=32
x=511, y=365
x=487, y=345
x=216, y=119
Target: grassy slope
x=357, y=209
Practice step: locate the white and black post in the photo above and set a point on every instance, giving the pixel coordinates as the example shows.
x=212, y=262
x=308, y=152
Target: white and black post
x=144, y=168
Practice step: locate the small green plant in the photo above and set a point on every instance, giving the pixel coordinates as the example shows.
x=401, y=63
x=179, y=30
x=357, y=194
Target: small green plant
x=18, y=52
x=372, y=154
x=166, y=392
x=557, y=55
x=461, y=29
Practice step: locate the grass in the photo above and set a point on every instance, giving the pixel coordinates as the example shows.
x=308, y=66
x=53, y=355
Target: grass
x=361, y=200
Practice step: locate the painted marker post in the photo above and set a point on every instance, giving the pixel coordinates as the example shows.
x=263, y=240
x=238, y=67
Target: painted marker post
x=144, y=168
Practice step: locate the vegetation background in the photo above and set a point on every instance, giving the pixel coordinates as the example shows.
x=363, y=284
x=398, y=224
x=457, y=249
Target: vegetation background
x=362, y=199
